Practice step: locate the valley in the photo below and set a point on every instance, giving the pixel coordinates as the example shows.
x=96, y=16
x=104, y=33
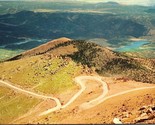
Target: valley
x=35, y=23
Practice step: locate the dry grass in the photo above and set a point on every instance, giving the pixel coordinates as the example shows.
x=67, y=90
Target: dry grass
x=45, y=74
x=13, y=105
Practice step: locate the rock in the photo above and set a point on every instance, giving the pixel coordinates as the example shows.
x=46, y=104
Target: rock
x=153, y=108
x=143, y=115
x=142, y=108
x=142, y=118
x=47, y=119
x=117, y=121
x=149, y=111
x=125, y=115
x=146, y=113
x=90, y=92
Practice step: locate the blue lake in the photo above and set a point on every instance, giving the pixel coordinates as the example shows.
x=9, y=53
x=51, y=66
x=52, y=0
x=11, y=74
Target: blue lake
x=133, y=46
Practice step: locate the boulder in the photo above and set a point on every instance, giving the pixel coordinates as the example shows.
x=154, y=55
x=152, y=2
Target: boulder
x=117, y=121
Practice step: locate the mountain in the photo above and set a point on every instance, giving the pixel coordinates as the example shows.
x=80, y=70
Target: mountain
x=76, y=63
x=28, y=24
x=110, y=4
x=39, y=76
x=150, y=10
x=42, y=48
x=103, y=60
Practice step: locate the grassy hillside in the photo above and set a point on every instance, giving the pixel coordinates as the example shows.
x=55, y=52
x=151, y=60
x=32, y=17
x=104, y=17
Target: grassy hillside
x=102, y=60
x=14, y=105
x=107, y=62
x=45, y=73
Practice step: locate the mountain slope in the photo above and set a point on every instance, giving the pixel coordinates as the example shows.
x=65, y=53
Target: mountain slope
x=108, y=62
x=42, y=48
x=49, y=69
x=100, y=59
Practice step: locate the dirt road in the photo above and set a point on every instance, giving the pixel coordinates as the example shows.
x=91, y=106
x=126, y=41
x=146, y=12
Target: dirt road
x=9, y=85
x=81, y=81
x=97, y=100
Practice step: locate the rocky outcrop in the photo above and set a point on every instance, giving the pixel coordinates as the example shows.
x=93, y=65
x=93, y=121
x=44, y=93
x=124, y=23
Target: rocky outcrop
x=145, y=113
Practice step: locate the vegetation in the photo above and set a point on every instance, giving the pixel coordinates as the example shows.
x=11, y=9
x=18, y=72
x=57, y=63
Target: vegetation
x=103, y=60
x=25, y=26
x=52, y=72
x=47, y=73
x=42, y=26
x=108, y=62
x=14, y=105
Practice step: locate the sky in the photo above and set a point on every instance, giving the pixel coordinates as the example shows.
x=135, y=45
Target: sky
x=126, y=2
x=131, y=2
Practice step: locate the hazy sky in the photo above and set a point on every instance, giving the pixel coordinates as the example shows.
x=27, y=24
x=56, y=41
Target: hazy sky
x=128, y=2
x=138, y=2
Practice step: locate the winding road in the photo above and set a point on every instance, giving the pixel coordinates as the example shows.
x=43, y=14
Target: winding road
x=9, y=85
x=97, y=100
x=70, y=101
x=80, y=80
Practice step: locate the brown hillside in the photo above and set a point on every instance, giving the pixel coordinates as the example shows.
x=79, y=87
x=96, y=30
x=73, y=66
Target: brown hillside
x=42, y=48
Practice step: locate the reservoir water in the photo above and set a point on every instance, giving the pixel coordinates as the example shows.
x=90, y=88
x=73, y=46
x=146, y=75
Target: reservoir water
x=133, y=46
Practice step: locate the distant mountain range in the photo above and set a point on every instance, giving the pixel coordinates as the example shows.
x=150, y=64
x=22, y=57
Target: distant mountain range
x=111, y=3
x=73, y=25
x=34, y=23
